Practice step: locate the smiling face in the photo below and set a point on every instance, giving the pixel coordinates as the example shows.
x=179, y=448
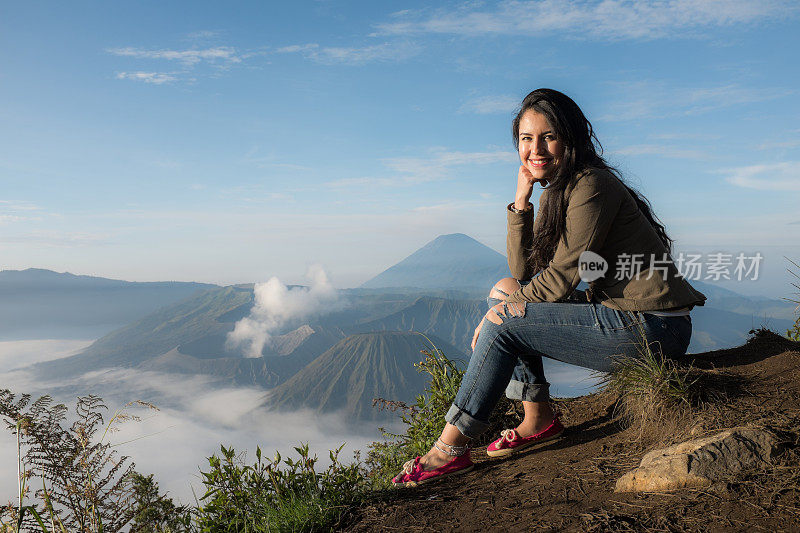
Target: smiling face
x=540, y=149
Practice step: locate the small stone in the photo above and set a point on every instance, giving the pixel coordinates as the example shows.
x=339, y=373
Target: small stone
x=700, y=462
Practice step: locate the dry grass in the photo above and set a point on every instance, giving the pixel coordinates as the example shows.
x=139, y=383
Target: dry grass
x=653, y=393
x=659, y=400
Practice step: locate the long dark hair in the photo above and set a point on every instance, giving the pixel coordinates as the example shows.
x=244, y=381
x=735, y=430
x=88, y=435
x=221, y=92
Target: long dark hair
x=582, y=151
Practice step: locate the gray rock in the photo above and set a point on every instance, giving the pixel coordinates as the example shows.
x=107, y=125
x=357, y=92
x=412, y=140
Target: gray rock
x=701, y=462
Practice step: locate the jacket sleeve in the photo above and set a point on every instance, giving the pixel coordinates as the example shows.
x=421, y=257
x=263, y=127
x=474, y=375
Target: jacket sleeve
x=518, y=243
x=592, y=206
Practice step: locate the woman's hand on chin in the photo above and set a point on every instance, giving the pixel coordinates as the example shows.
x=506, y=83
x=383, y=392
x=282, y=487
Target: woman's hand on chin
x=525, y=181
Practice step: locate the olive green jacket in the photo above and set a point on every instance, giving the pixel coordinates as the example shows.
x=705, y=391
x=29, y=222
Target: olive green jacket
x=602, y=217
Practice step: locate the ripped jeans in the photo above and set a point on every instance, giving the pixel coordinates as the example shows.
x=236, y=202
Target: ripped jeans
x=508, y=356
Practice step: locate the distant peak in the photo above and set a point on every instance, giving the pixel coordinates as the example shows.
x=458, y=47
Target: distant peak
x=453, y=237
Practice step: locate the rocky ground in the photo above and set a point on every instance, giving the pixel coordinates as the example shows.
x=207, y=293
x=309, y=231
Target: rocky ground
x=568, y=485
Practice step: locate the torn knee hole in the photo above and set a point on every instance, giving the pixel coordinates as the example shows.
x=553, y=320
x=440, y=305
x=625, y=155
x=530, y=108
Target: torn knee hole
x=515, y=309
x=497, y=293
x=497, y=313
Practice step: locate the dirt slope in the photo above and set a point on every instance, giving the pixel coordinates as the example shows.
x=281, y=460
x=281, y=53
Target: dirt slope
x=568, y=485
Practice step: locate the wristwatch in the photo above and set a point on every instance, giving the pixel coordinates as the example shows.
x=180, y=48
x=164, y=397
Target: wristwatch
x=519, y=211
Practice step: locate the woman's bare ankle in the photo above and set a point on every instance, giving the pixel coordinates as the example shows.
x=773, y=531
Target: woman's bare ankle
x=526, y=428
x=538, y=416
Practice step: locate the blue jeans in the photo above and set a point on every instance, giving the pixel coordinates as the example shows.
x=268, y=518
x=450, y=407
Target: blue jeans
x=508, y=356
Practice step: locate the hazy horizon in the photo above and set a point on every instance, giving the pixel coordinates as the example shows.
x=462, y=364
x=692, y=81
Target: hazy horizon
x=230, y=146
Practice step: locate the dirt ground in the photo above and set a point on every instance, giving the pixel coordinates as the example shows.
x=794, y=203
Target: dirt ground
x=568, y=484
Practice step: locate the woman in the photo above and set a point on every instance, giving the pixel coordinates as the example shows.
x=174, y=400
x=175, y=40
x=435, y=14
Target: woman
x=585, y=211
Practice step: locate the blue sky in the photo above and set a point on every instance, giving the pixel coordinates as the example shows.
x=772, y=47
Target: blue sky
x=229, y=142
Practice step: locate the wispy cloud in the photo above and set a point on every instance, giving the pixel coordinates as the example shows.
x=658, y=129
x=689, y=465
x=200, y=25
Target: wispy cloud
x=203, y=34
x=14, y=206
x=255, y=157
x=414, y=170
x=355, y=56
x=488, y=105
x=13, y=211
x=607, y=20
x=57, y=238
x=655, y=99
x=663, y=150
x=156, y=78
x=438, y=165
x=771, y=145
x=185, y=62
x=360, y=182
x=784, y=176
x=219, y=54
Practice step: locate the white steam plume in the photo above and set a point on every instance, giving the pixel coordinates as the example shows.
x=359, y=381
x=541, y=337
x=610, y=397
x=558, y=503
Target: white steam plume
x=276, y=305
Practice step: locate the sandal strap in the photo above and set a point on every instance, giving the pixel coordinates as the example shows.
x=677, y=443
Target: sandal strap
x=455, y=451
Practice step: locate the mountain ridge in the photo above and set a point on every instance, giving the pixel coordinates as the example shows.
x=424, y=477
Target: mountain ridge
x=434, y=265
x=358, y=369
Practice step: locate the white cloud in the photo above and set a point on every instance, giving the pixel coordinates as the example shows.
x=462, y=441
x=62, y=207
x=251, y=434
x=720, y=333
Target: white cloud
x=608, y=20
x=354, y=55
x=276, y=305
x=156, y=78
x=783, y=176
x=224, y=54
x=488, y=105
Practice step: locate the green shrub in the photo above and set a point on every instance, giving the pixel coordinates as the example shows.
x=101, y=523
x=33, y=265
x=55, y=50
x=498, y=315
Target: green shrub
x=84, y=483
x=153, y=511
x=794, y=332
x=424, y=420
x=277, y=495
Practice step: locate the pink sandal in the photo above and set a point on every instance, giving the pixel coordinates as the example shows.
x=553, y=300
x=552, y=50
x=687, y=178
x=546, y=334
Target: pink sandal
x=510, y=442
x=413, y=474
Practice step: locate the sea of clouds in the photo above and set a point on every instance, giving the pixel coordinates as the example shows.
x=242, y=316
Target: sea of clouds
x=174, y=442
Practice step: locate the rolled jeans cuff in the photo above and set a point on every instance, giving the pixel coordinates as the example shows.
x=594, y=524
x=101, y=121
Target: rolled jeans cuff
x=528, y=392
x=466, y=424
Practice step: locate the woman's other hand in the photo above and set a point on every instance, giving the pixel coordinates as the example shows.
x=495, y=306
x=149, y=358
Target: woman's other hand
x=494, y=315
x=477, y=332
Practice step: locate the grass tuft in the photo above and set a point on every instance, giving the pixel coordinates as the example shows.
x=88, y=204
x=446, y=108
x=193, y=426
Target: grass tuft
x=654, y=394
